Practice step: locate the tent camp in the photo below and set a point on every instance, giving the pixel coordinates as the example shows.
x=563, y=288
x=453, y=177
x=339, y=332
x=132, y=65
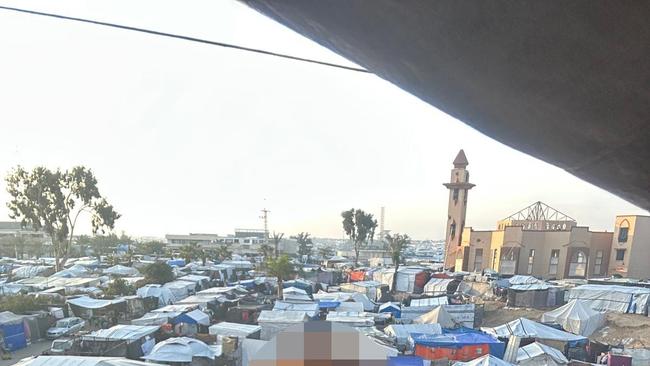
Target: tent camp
x=391, y=307
x=350, y=306
x=193, y=317
x=80, y=361
x=461, y=346
x=487, y=360
x=620, y=299
x=576, y=317
x=438, y=286
x=85, y=306
x=180, y=289
x=411, y=279
x=401, y=332
x=437, y=316
x=273, y=322
x=131, y=341
x=528, y=329
x=430, y=301
x=164, y=295
x=155, y=318
x=372, y=289
x=539, y=354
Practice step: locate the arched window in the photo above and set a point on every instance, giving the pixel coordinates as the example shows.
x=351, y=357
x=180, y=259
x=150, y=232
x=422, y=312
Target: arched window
x=578, y=264
x=452, y=229
x=623, y=231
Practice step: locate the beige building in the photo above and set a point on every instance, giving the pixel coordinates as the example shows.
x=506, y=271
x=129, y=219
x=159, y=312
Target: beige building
x=544, y=242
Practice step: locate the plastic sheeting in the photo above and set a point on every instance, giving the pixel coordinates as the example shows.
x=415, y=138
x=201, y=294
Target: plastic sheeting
x=121, y=332
x=193, y=317
x=437, y=286
x=180, y=289
x=352, y=318
x=620, y=299
x=539, y=354
x=155, y=318
x=526, y=328
x=487, y=360
x=164, y=295
x=233, y=329
x=120, y=270
x=310, y=308
x=30, y=271
x=436, y=316
x=401, y=332
x=273, y=322
x=76, y=270
x=576, y=317
x=459, y=340
x=90, y=303
x=81, y=361
x=432, y=301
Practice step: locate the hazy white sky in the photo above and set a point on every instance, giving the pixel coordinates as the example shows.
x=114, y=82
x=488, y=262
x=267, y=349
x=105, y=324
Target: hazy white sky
x=186, y=137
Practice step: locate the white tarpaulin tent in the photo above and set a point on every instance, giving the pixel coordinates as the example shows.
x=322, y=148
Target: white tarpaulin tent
x=437, y=316
x=164, y=295
x=233, y=329
x=576, y=317
x=523, y=280
x=526, y=328
x=180, y=349
x=180, y=289
x=437, y=286
x=401, y=332
x=273, y=322
x=620, y=299
x=120, y=270
x=76, y=270
x=311, y=308
x=81, y=361
x=539, y=354
x=353, y=319
x=155, y=318
x=406, y=279
x=122, y=332
x=90, y=303
x=30, y=271
x=487, y=360
x=431, y=301
x=350, y=307
x=249, y=348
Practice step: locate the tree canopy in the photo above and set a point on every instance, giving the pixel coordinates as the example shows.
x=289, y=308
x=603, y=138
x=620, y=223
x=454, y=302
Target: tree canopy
x=53, y=201
x=305, y=244
x=277, y=238
x=280, y=267
x=359, y=226
x=395, y=244
x=158, y=272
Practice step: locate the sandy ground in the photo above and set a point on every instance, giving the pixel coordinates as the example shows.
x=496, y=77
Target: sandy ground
x=630, y=330
x=497, y=314
x=32, y=350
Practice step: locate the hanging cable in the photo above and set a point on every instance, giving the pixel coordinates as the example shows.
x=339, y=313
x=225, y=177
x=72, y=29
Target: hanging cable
x=186, y=38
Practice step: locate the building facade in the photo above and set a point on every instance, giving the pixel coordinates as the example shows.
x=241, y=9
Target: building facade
x=543, y=242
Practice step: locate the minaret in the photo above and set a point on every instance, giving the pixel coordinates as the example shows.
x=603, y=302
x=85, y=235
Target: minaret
x=458, y=186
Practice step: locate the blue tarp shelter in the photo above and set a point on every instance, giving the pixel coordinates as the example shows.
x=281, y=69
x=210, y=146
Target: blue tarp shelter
x=392, y=308
x=459, y=340
x=303, y=285
x=176, y=262
x=405, y=361
x=328, y=304
x=13, y=330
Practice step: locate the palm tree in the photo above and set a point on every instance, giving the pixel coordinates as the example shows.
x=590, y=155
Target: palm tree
x=281, y=268
x=304, y=244
x=276, y=242
x=396, y=244
x=189, y=251
x=223, y=253
x=360, y=228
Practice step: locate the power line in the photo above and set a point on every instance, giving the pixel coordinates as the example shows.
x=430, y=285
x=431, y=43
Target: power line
x=186, y=38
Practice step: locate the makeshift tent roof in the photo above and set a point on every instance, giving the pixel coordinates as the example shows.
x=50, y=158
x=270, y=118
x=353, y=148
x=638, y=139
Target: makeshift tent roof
x=459, y=340
x=30, y=271
x=523, y=280
x=324, y=304
x=621, y=299
x=239, y=264
x=121, y=332
x=487, y=360
x=175, y=308
x=333, y=296
x=233, y=329
x=355, y=319
x=526, y=328
x=576, y=317
x=193, y=317
x=269, y=316
x=437, y=316
x=349, y=306
x=401, y=332
x=390, y=307
x=155, y=318
x=311, y=308
x=249, y=348
x=432, y=301
x=546, y=355
x=530, y=287
x=201, y=299
x=337, y=258
x=341, y=337
x=80, y=361
x=7, y=317
x=363, y=298
x=194, y=278
x=75, y=271
x=90, y=303
x=180, y=349
x=176, y=262
x=218, y=290
x=294, y=290
x=437, y=286
x=119, y=270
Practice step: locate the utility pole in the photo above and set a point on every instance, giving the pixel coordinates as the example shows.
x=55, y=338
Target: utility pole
x=265, y=217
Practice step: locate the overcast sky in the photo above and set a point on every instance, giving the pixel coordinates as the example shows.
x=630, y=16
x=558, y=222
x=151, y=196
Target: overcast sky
x=186, y=137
